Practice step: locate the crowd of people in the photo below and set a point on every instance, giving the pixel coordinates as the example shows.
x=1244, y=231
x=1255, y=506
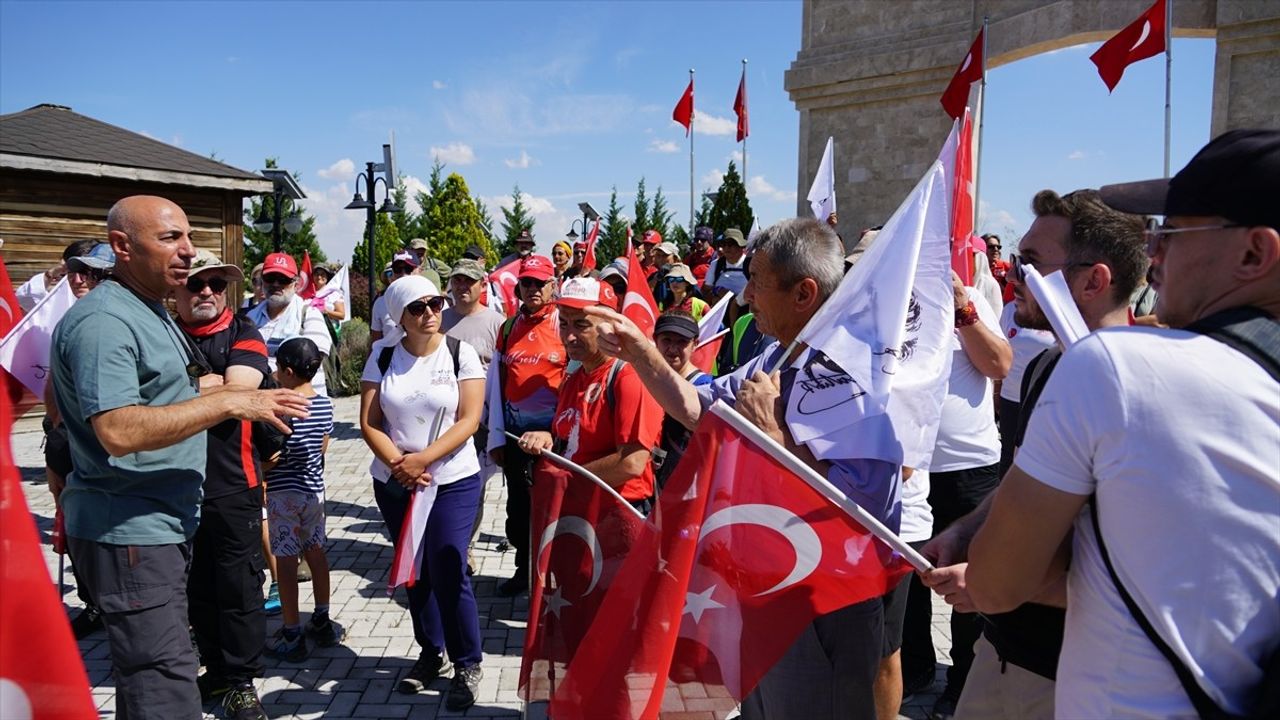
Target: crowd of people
x=196, y=448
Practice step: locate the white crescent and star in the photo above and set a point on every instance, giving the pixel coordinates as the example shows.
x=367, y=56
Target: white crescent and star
x=554, y=602
x=968, y=60
x=804, y=541
x=697, y=603
x=574, y=525
x=633, y=298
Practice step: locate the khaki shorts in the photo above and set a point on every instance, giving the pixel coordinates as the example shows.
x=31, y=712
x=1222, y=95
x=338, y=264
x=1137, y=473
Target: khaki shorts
x=295, y=522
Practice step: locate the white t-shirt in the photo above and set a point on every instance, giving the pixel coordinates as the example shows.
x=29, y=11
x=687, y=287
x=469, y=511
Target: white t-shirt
x=299, y=319
x=412, y=392
x=917, y=515
x=1179, y=436
x=1027, y=344
x=31, y=292
x=382, y=321
x=967, y=436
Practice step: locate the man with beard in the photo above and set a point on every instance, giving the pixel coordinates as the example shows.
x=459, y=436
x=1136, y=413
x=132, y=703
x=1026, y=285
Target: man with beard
x=1101, y=253
x=284, y=315
x=225, y=580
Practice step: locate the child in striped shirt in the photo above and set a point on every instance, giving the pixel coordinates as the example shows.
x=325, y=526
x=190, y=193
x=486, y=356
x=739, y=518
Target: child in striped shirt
x=295, y=507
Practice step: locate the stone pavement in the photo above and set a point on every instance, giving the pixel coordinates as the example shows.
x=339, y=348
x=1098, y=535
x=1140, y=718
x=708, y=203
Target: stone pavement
x=357, y=679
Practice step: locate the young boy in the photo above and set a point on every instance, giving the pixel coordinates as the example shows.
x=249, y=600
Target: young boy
x=295, y=507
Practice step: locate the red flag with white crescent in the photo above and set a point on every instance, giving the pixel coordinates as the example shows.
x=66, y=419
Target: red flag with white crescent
x=582, y=536
x=503, y=280
x=740, y=107
x=683, y=112
x=10, y=310
x=962, y=203
x=638, y=305
x=41, y=674
x=589, y=260
x=308, y=289
x=1141, y=39
x=740, y=555
x=970, y=71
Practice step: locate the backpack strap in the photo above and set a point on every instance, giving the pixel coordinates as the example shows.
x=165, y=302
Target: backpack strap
x=609, y=395
x=453, y=345
x=384, y=358
x=1033, y=382
x=1248, y=330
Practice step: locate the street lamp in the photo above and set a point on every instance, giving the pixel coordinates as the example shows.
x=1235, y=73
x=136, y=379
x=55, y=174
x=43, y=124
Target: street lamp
x=573, y=236
x=286, y=188
x=370, y=206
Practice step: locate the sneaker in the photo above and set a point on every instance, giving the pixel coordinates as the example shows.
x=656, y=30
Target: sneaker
x=285, y=648
x=516, y=585
x=428, y=668
x=272, y=605
x=241, y=703
x=326, y=633
x=943, y=709
x=463, y=689
x=212, y=686
x=88, y=622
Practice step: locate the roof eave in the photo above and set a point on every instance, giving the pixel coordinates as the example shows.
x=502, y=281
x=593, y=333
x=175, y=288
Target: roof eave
x=119, y=172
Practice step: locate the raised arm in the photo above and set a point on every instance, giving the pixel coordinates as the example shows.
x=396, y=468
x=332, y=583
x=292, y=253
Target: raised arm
x=135, y=428
x=620, y=338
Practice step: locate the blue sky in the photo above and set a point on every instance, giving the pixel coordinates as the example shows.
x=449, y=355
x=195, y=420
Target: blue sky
x=566, y=99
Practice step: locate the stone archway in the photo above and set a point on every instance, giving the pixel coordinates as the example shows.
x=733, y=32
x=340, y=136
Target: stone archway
x=874, y=69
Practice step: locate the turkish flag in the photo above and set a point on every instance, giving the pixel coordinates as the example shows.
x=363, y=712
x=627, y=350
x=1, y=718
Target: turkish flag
x=504, y=281
x=582, y=534
x=308, y=290
x=970, y=71
x=1141, y=39
x=41, y=674
x=639, y=305
x=589, y=260
x=705, y=353
x=740, y=555
x=740, y=107
x=683, y=112
x=962, y=203
x=10, y=310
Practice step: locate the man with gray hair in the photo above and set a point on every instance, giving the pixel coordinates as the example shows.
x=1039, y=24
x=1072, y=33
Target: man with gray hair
x=796, y=266
x=284, y=315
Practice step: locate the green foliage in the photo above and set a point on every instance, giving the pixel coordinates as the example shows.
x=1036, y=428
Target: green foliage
x=703, y=216
x=613, y=233
x=259, y=244
x=386, y=242
x=404, y=220
x=513, y=221
x=659, y=214
x=426, y=200
x=731, y=208
x=352, y=352
x=640, y=221
x=679, y=236
x=486, y=220
x=454, y=222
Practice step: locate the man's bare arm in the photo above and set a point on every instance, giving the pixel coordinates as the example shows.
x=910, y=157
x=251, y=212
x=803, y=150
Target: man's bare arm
x=136, y=428
x=620, y=338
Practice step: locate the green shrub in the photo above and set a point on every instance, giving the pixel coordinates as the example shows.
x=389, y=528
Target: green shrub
x=353, y=351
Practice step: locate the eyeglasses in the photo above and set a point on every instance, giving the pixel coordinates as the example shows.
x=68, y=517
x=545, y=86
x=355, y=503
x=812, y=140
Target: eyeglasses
x=91, y=273
x=1156, y=234
x=532, y=283
x=276, y=279
x=1018, y=275
x=417, y=307
x=196, y=285
x=402, y=269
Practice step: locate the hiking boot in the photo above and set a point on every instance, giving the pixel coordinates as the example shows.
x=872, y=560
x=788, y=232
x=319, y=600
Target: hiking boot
x=272, y=605
x=284, y=647
x=88, y=622
x=428, y=667
x=463, y=688
x=241, y=703
x=326, y=632
x=516, y=585
x=212, y=686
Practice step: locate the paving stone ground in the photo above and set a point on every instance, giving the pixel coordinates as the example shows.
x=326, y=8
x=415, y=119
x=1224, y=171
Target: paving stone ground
x=357, y=679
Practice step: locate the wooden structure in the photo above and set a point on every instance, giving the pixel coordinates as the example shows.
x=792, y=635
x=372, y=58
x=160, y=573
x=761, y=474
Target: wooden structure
x=60, y=172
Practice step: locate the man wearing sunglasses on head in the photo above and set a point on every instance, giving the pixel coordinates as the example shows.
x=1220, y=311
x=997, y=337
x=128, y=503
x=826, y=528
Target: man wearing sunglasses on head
x=225, y=581
x=523, y=387
x=284, y=315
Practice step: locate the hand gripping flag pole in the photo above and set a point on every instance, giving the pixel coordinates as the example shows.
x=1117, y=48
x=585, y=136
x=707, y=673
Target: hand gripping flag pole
x=570, y=465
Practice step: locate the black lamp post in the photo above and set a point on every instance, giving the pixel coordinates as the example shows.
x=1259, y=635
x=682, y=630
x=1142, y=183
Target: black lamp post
x=285, y=189
x=372, y=210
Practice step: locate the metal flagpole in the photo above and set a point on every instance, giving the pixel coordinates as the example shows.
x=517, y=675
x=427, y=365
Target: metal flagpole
x=1168, y=79
x=982, y=102
x=568, y=464
x=692, y=119
x=744, y=137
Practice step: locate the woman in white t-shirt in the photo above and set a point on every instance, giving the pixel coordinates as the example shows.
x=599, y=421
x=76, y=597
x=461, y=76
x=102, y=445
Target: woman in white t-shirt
x=412, y=376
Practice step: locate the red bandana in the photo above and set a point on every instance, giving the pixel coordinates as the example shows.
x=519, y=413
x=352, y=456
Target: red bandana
x=222, y=322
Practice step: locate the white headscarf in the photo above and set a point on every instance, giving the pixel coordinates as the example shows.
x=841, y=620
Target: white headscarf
x=399, y=294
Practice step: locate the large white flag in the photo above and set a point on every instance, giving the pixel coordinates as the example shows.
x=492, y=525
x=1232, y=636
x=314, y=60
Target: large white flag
x=24, y=352
x=822, y=194
x=886, y=333
x=340, y=282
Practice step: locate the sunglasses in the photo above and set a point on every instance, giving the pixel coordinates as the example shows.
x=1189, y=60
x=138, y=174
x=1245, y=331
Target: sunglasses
x=276, y=279
x=417, y=307
x=93, y=274
x=196, y=285
x=1019, y=275
x=674, y=280
x=402, y=269
x=534, y=283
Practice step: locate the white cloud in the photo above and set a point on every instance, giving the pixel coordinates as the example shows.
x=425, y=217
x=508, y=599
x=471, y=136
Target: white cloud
x=514, y=113
x=438, y=85
x=340, y=170
x=454, y=153
x=413, y=185
x=337, y=230
x=713, y=179
x=520, y=163
x=663, y=146
x=736, y=157
x=1000, y=222
x=704, y=123
x=760, y=187
x=1076, y=155
x=550, y=223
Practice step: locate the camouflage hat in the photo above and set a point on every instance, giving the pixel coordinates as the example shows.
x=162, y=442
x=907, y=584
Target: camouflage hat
x=205, y=261
x=467, y=268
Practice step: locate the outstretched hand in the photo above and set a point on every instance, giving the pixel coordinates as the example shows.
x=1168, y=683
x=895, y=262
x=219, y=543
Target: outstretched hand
x=269, y=406
x=618, y=336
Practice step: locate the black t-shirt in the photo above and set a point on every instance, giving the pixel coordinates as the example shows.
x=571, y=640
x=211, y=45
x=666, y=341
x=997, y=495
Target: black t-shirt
x=233, y=465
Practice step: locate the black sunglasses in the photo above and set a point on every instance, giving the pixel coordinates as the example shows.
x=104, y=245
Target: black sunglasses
x=534, y=283
x=1019, y=275
x=196, y=285
x=276, y=279
x=417, y=307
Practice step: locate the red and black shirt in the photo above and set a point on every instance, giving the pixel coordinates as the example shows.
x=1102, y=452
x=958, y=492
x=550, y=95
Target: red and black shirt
x=233, y=465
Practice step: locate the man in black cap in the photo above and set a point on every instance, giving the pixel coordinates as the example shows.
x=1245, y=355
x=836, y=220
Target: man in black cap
x=524, y=247
x=1170, y=437
x=675, y=335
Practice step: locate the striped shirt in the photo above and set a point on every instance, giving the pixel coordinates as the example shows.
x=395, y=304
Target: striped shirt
x=301, y=465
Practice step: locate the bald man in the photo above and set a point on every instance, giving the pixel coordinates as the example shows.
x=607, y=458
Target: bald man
x=126, y=383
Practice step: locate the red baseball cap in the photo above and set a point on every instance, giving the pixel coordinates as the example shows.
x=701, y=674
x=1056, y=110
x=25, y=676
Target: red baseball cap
x=652, y=237
x=281, y=264
x=538, y=267
x=581, y=292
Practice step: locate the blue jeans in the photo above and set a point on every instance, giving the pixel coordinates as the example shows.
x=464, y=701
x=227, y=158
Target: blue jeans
x=441, y=602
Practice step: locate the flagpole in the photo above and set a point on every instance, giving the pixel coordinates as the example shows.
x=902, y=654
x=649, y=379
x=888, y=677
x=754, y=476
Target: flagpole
x=744, y=137
x=1168, y=79
x=568, y=464
x=982, y=112
x=692, y=119
x=820, y=484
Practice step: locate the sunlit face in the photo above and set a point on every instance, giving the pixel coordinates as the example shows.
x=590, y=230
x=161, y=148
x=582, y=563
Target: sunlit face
x=158, y=253
x=422, y=316
x=770, y=301
x=578, y=333
x=535, y=293
x=1043, y=247
x=675, y=349
x=319, y=280
x=197, y=301
x=524, y=248
x=464, y=289
x=559, y=256
x=279, y=288
x=1191, y=271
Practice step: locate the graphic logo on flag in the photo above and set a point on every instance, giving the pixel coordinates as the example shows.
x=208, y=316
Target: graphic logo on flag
x=1141, y=39
x=25, y=351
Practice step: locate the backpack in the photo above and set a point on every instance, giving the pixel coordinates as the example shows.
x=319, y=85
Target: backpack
x=721, y=262
x=1256, y=335
x=450, y=342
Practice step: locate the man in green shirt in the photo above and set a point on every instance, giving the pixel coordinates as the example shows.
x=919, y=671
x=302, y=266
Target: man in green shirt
x=126, y=385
